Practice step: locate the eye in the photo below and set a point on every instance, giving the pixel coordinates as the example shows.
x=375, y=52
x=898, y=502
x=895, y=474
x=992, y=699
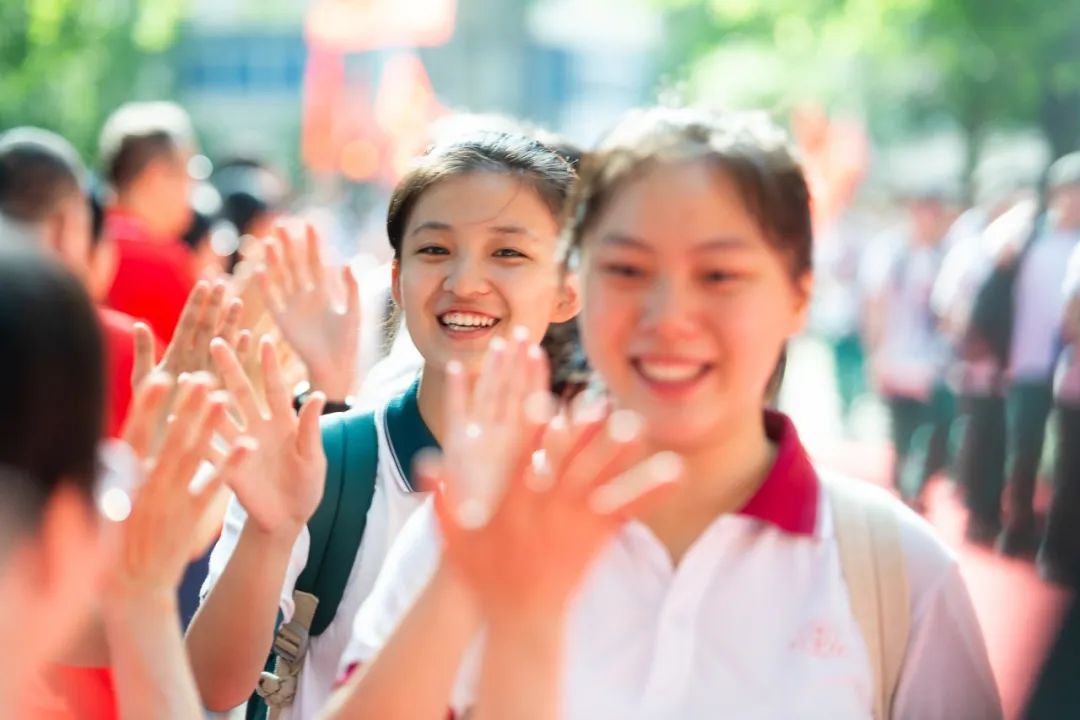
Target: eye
x=715, y=277
x=623, y=270
x=509, y=253
x=432, y=250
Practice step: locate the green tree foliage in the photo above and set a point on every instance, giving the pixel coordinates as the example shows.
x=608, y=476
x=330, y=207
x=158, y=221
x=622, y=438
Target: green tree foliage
x=904, y=64
x=66, y=64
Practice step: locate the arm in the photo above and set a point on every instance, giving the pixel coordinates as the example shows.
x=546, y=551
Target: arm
x=522, y=667
x=150, y=670
x=439, y=629
x=230, y=636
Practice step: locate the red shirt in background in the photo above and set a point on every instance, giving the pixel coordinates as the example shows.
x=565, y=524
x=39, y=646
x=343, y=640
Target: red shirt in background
x=119, y=335
x=154, y=276
x=73, y=693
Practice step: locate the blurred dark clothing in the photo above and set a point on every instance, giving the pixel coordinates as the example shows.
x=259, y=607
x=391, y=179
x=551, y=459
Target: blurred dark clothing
x=1057, y=690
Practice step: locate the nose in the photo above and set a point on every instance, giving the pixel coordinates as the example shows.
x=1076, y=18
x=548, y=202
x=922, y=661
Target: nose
x=671, y=309
x=466, y=276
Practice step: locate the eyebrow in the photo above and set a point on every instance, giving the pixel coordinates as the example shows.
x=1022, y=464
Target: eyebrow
x=439, y=226
x=431, y=225
x=715, y=243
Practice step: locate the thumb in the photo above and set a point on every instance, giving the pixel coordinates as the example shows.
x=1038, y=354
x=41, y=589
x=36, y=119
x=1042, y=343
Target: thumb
x=144, y=353
x=352, y=293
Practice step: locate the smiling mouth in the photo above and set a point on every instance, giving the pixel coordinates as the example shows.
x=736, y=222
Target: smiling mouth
x=669, y=374
x=464, y=322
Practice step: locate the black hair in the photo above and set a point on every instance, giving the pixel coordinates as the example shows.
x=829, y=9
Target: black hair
x=139, y=133
x=52, y=378
x=537, y=165
x=198, y=231
x=38, y=171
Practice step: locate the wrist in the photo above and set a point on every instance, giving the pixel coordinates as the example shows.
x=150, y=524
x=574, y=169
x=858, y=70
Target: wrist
x=335, y=383
x=131, y=601
x=279, y=538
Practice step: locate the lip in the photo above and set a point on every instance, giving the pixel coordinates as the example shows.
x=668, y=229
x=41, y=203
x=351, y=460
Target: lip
x=671, y=389
x=471, y=334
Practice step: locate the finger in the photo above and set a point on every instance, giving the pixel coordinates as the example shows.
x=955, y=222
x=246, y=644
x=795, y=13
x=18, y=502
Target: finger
x=610, y=450
x=198, y=449
x=352, y=294
x=230, y=326
x=243, y=345
x=513, y=381
x=294, y=270
x=278, y=398
x=235, y=380
x=232, y=465
x=457, y=398
x=276, y=266
x=486, y=400
x=209, y=318
x=431, y=477
x=309, y=435
x=143, y=363
x=315, y=271
x=146, y=408
x=183, y=337
x=190, y=404
x=271, y=290
x=639, y=487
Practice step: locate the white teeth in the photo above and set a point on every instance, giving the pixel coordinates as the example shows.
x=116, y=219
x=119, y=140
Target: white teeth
x=669, y=372
x=459, y=319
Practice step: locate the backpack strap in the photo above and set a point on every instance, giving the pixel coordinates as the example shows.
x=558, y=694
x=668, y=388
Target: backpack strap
x=873, y=565
x=336, y=530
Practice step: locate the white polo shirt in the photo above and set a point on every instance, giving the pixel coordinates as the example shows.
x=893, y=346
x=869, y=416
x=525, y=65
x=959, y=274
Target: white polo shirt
x=754, y=622
x=401, y=434
x=1040, y=306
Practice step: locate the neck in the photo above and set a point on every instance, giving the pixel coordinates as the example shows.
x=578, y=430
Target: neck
x=431, y=398
x=722, y=474
x=134, y=204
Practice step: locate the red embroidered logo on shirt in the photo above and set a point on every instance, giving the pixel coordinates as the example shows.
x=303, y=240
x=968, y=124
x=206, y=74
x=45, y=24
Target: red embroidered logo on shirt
x=819, y=640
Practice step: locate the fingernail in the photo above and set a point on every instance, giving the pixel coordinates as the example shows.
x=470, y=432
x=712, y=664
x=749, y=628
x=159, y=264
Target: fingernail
x=471, y=514
x=521, y=333
x=454, y=367
x=535, y=352
x=624, y=426
x=473, y=431
x=184, y=378
x=497, y=344
x=665, y=467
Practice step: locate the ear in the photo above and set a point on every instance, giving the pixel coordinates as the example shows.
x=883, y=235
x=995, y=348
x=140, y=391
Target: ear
x=568, y=299
x=53, y=232
x=395, y=281
x=802, y=291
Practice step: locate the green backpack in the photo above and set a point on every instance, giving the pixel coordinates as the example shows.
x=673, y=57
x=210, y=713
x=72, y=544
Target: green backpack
x=336, y=529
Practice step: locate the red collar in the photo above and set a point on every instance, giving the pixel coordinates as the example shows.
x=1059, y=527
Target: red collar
x=788, y=498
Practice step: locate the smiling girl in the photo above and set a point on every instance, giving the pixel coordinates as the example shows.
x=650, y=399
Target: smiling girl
x=474, y=228
x=732, y=593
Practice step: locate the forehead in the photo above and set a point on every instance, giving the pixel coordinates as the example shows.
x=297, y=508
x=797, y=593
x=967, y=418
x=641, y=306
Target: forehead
x=482, y=199
x=677, y=202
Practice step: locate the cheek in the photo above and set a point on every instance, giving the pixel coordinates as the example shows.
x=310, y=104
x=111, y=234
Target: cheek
x=606, y=323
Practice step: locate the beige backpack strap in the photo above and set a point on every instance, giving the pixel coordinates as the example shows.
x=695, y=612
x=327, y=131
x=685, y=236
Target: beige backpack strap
x=290, y=645
x=872, y=561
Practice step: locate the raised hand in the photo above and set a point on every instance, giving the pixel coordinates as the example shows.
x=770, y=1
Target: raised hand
x=156, y=541
x=324, y=331
x=205, y=316
x=282, y=486
x=522, y=527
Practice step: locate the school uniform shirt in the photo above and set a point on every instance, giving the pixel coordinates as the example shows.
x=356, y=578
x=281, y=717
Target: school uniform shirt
x=154, y=276
x=401, y=435
x=1067, y=377
x=911, y=354
x=754, y=622
x=1036, y=338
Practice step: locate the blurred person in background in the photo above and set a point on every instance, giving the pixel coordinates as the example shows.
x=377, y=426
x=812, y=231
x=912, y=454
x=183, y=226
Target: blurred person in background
x=44, y=203
x=975, y=374
x=1035, y=345
x=58, y=560
x=144, y=151
x=907, y=351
